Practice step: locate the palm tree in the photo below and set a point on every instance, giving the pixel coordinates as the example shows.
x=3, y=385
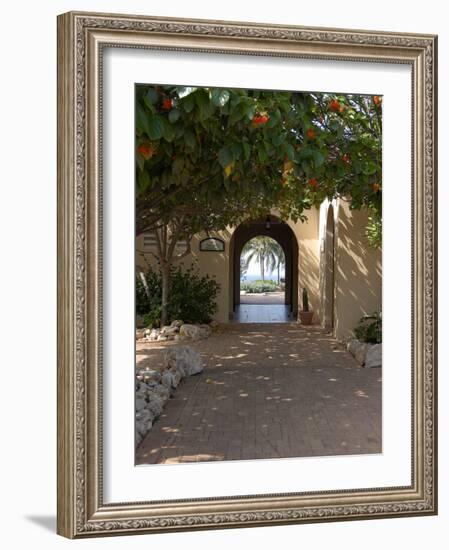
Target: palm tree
x=266, y=251
x=280, y=259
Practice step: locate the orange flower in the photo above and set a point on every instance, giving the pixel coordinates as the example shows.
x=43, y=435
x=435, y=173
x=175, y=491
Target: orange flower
x=376, y=187
x=167, y=104
x=313, y=182
x=146, y=151
x=377, y=100
x=311, y=133
x=260, y=119
x=335, y=106
x=345, y=158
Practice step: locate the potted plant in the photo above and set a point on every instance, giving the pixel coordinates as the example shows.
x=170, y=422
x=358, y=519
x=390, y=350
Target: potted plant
x=305, y=314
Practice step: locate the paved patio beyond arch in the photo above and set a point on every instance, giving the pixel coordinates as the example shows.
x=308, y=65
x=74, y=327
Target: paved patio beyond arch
x=267, y=391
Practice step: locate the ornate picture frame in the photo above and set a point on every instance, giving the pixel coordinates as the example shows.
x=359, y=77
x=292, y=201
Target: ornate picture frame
x=82, y=511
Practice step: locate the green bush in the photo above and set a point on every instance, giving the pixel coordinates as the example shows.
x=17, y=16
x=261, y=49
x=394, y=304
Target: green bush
x=369, y=328
x=192, y=298
x=257, y=287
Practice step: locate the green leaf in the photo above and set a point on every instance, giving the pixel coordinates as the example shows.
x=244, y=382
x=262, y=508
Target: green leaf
x=174, y=115
x=236, y=150
x=151, y=96
x=155, y=127
x=262, y=153
x=289, y=151
x=237, y=113
x=246, y=150
x=140, y=161
x=250, y=112
x=184, y=91
x=318, y=158
x=169, y=131
x=177, y=165
x=143, y=181
x=188, y=104
x=278, y=139
x=369, y=168
x=219, y=97
x=225, y=157
x=142, y=120
x=205, y=106
x=189, y=138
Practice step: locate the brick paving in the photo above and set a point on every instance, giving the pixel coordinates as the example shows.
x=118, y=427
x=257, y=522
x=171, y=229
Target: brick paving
x=267, y=391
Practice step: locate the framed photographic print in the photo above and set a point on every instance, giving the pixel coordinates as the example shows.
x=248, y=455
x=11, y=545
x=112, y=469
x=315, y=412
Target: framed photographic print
x=292, y=377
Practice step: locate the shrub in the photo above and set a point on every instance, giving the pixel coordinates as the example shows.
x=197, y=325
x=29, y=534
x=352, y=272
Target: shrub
x=369, y=328
x=192, y=297
x=257, y=287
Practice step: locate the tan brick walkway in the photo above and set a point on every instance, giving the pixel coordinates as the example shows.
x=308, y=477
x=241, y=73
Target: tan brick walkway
x=267, y=391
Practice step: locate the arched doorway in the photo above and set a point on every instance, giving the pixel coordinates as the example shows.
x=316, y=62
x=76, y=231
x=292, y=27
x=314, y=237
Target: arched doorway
x=329, y=261
x=284, y=236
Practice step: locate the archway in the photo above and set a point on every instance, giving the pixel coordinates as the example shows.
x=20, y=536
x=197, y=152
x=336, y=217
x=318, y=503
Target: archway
x=329, y=261
x=279, y=231
x=262, y=277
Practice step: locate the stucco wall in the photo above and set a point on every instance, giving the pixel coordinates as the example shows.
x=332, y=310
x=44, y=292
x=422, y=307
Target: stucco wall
x=219, y=266
x=308, y=259
x=215, y=264
x=358, y=271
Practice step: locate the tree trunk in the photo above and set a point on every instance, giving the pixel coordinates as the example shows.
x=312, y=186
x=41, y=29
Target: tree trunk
x=165, y=273
x=279, y=278
x=262, y=268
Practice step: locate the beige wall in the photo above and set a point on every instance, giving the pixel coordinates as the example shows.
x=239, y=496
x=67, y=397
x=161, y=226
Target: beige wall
x=358, y=271
x=218, y=264
x=306, y=234
x=215, y=264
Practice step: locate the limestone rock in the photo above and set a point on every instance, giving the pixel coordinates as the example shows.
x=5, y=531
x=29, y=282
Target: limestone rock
x=142, y=428
x=374, y=356
x=184, y=358
x=162, y=391
x=171, y=378
x=140, y=404
x=144, y=415
x=195, y=332
x=358, y=350
x=155, y=405
x=190, y=331
x=352, y=345
x=140, y=334
x=169, y=331
x=360, y=354
x=177, y=323
x=150, y=377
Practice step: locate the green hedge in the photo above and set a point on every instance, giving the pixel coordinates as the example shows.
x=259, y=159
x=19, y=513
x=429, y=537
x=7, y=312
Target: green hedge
x=257, y=287
x=192, y=298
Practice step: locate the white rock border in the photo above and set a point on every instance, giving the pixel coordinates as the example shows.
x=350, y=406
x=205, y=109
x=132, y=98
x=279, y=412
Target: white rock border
x=368, y=355
x=177, y=330
x=154, y=387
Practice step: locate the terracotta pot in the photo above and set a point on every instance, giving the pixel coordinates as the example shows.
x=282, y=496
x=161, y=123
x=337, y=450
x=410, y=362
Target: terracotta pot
x=306, y=317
